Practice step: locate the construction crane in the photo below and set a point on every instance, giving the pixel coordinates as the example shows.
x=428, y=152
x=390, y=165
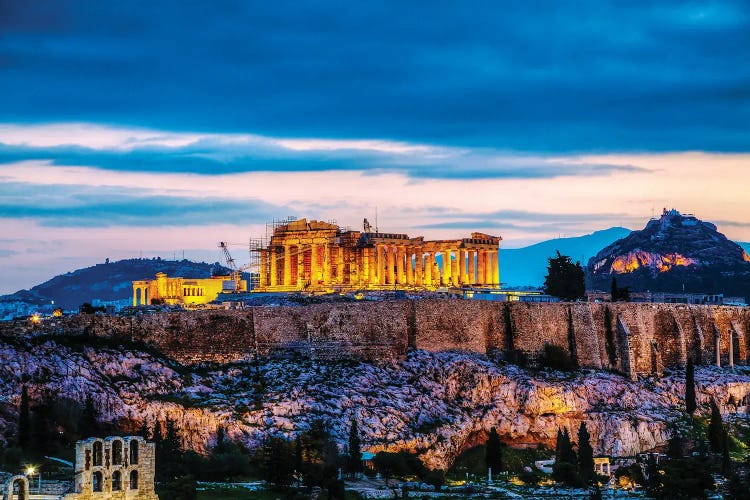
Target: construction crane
x=232, y=265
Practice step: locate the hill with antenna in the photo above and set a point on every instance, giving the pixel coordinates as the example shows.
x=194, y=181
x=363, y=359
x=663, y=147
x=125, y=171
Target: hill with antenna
x=673, y=253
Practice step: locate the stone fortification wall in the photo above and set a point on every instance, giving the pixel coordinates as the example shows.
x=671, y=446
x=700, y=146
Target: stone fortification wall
x=631, y=338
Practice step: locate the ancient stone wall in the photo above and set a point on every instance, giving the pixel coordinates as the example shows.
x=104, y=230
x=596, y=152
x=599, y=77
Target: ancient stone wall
x=635, y=339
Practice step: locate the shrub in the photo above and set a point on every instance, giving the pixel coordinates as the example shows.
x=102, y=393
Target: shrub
x=556, y=358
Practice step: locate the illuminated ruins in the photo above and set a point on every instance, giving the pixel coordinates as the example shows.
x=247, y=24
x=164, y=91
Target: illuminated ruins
x=318, y=256
x=184, y=291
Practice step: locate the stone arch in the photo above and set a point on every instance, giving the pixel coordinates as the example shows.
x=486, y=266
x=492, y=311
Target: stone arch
x=133, y=480
x=117, y=452
x=133, y=451
x=97, y=481
x=116, y=480
x=18, y=488
x=98, y=453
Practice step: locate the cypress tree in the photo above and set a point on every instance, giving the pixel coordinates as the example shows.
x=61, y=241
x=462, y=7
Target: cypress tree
x=726, y=460
x=690, y=403
x=24, y=420
x=355, y=453
x=585, y=454
x=715, y=429
x=494, y=453
x=613, y=290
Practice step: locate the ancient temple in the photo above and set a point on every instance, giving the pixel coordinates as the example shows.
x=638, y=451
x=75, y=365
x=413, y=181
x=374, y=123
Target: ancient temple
x=321, y=256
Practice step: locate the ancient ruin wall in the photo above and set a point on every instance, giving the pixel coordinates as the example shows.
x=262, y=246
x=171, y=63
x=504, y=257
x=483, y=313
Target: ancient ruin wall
x=631, y=338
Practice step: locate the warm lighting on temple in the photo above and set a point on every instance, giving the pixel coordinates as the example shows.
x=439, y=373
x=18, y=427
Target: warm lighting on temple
x=321, y=257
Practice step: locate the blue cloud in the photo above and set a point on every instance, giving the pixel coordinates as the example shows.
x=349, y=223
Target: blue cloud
x=216, y=157
x=79, y=206
x=541, y=77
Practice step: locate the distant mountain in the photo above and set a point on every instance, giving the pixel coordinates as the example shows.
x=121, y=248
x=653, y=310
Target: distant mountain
x=673, y=253
x=108, y=281
x=528, y=265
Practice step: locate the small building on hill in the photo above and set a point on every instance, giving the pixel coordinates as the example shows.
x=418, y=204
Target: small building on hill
x=182, y=291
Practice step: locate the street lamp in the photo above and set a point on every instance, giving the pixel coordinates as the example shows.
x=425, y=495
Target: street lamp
x=30, y=472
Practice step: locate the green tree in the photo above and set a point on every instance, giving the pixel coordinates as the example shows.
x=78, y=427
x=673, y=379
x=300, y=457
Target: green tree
x=690, y=402
x=726, y=460
x=278, y=462
x=564, y=279
x=715, y=429
x=494, y=452
x=354, y=461
x=565, y=469
x=585, y=454
x=184, y=488
x=24, y=420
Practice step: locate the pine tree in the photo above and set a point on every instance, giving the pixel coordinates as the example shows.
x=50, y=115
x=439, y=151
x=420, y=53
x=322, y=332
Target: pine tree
x=690, y=403
x=564, y=279
x=715, y=429
x=494, y=454
x=24, y=420
x=354, y=464
x=585, y=454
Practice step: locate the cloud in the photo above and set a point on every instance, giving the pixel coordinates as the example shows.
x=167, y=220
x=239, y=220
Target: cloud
x=140, y=150
x=549, y=77
x=79, y=206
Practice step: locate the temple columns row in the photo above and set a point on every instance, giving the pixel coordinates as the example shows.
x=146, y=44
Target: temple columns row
x=382, y=264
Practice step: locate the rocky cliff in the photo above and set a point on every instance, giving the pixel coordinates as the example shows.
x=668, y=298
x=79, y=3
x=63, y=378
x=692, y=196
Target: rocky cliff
x=633, y=339
x=435, y=404
x=673, y=253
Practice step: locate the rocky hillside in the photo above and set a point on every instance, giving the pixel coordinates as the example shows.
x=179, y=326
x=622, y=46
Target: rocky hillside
x=108, y=281
x=435, y=404
x=673, y=251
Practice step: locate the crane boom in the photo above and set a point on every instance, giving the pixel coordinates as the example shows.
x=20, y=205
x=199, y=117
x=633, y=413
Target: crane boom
x=236, y=273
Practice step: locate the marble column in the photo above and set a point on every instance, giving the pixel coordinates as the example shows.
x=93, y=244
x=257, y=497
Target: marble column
x=446, y=274
x=418, y=267
x=410, y=266
x=496, y=267
x=382, y=266
x=428, y=269
x=717, y=343
x=327, y=265
x=274, y=258
x=300, y=266
x=287, y=265
x=472, y=267
x=455, y=271
x=481, y=271
x=400, y=258
x=262, y=278
x=463, y=277
x=391, y=264
x=314, y=268
x=371, y=256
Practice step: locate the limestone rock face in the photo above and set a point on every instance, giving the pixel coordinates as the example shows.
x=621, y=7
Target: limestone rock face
x=435, y=404
x=673, y=250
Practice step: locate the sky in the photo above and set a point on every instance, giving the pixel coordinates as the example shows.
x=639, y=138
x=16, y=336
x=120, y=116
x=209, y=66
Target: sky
x=160, y=128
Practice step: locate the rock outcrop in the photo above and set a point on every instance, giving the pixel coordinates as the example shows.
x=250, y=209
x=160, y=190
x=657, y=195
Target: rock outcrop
x=435, y=404
x=673, y=253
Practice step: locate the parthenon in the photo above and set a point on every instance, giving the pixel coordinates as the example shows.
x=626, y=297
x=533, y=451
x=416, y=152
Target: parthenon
x=321, y=256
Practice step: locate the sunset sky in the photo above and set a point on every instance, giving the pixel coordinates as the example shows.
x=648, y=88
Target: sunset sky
x=153, y=128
